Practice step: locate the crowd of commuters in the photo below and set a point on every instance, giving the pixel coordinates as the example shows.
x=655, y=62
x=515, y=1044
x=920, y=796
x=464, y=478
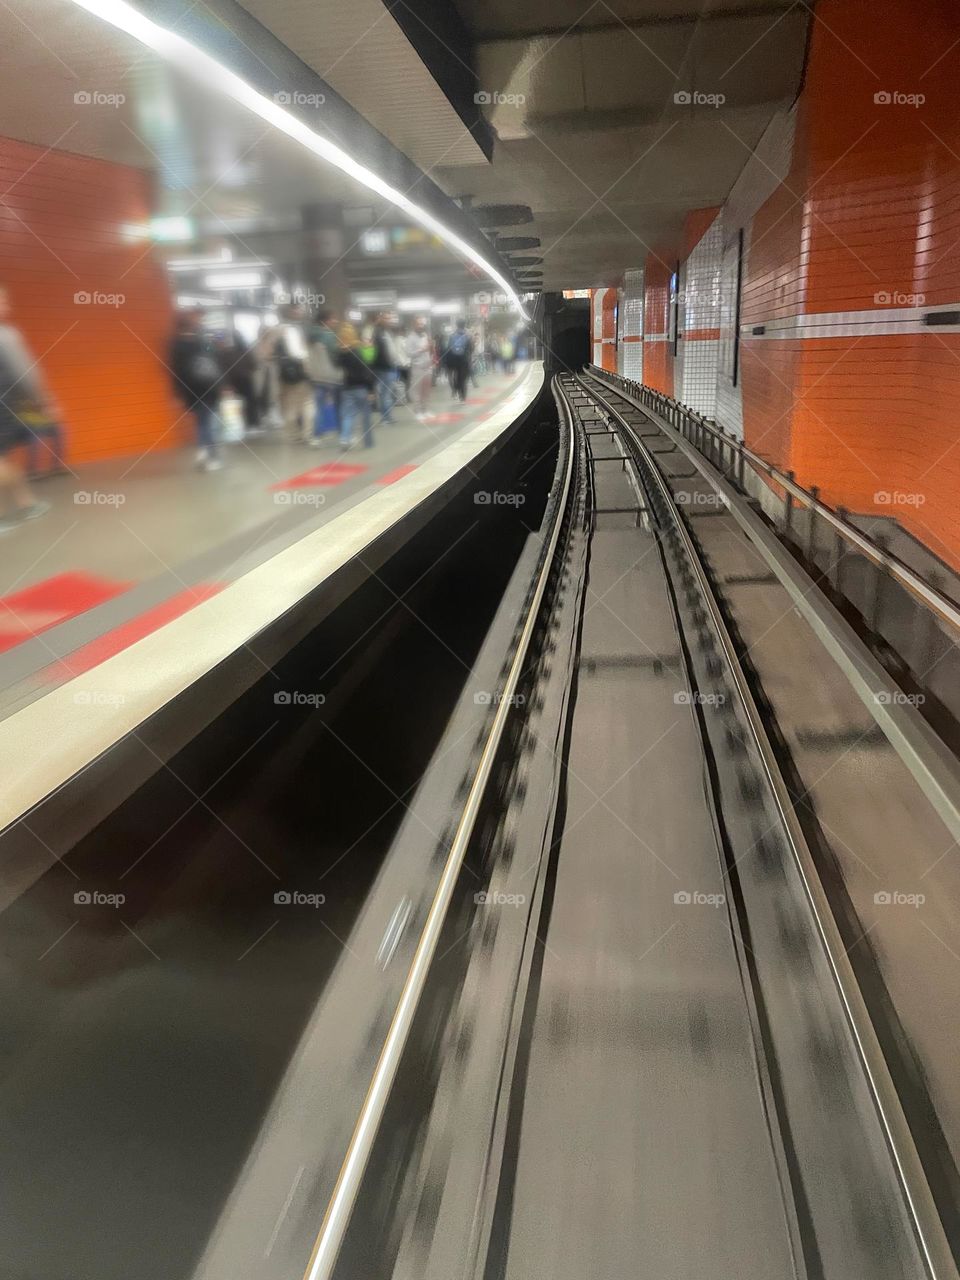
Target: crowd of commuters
x=315, y=379
x=321, y=379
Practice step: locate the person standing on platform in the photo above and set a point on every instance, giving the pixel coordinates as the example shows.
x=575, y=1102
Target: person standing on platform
x=420, y=353
x=385, y=367
x=19, y=384
x=458, y=358
x=356, y=395
x=28, y=417
x=325, y=374
x=297, y=401
x=403, y=363
x=197, y=377
x=241, y=371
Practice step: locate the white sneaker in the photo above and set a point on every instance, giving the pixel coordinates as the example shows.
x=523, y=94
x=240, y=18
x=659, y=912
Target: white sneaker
x=213, y=464
x=202, y=456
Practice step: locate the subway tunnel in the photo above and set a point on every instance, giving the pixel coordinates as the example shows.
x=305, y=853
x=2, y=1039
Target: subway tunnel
x=480, y=640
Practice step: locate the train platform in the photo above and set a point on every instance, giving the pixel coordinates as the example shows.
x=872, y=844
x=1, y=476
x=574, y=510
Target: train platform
x=133, y=543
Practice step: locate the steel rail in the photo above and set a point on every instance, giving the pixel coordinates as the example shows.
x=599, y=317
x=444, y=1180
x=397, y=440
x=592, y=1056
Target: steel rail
x=924, y=1216
x=898, y=569
x=336, y=1219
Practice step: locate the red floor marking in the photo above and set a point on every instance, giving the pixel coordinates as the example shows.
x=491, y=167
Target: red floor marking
x=328, y=473
x=28, y=613
x=444, y=417
x=112, y=642
x=398, y=474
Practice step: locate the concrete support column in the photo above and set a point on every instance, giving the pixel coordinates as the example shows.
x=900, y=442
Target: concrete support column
x=324, y=245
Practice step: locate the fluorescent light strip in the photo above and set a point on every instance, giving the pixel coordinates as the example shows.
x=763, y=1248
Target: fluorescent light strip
x=235, y=280
x=181, y=52
x=195, y=264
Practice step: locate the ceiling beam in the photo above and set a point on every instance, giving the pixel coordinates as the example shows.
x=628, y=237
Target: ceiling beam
x=436, y=31
x=692, y=19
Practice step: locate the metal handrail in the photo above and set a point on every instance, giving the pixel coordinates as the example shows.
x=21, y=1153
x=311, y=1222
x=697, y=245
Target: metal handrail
x=692, y=425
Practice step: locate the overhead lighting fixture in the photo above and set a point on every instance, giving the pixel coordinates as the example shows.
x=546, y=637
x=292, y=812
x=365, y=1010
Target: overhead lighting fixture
x=233, y=280
x=171, y=229
x=377, y=241
x=189, y=300
x=200, y=261
x=414, y=304
x=175, y=48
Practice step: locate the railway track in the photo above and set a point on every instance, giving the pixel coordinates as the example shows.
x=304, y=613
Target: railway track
x=696, y=530
x=755, y=1003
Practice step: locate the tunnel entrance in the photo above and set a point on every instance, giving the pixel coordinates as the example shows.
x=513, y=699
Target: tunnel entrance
x=566, y=333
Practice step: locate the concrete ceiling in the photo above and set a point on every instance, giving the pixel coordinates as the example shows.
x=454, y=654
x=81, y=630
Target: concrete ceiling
x=593, y=130
x=360, y=50
x=581, y=99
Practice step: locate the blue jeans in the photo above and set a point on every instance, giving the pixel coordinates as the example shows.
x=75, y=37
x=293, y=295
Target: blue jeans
x=327, y=417
x=206, y=416
x=355, y=401
x=387, y=392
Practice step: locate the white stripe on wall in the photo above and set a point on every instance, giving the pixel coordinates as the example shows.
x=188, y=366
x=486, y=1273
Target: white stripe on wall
x=852, y=324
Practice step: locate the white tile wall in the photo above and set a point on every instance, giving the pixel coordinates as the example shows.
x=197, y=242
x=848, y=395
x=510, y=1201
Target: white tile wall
x=631, y=326
x=597, y=308
x=696, y=371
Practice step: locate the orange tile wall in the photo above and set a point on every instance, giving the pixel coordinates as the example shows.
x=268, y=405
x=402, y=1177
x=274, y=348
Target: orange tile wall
x=695, y=226
x=871, y=205
x=773, y=284
x=657, y=356
x=61, y=217
x=609, y=353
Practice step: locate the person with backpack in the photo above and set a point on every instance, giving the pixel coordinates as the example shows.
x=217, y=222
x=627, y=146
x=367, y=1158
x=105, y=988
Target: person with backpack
x=197, y=378
x=458, y=357
x=325, y=374
x=297, y=399
x=359, y=381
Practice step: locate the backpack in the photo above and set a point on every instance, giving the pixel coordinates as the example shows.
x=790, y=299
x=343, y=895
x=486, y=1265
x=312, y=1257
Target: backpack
x=458, y=343
x=290, y=368
x=320, y=365
x=204, y=371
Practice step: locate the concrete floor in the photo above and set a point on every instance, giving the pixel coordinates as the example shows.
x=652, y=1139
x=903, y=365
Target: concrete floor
x=153, y=530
